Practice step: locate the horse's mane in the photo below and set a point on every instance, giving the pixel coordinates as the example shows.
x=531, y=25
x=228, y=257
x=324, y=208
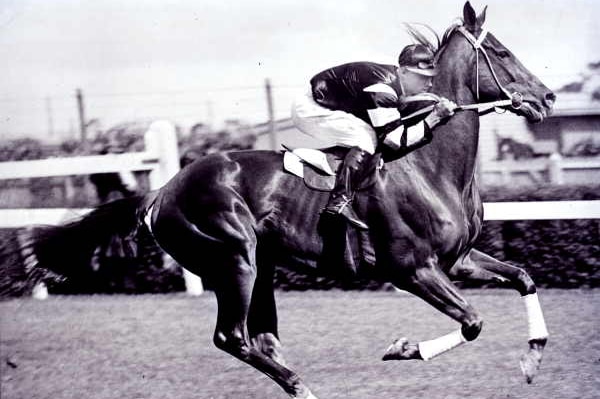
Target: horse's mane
x=438, y=47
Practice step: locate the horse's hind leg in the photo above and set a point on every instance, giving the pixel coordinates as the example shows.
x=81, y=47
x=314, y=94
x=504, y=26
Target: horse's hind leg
x=262, y=317
x=229, y=238
x=233, y=288
x=482, y=267
x=430, y=284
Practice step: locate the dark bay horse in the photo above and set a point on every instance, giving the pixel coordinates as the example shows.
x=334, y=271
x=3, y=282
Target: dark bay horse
x=232, y=217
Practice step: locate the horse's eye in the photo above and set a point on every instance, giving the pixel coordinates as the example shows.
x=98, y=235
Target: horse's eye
x=503, y=54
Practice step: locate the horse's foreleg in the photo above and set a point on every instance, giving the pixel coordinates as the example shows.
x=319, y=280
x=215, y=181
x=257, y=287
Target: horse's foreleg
x=233, y=288
x=482, y=267
x=432, y=285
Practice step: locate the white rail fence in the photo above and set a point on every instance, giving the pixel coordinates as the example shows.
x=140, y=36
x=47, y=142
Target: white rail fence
x=531, y=210
x=554, y=169
x=160, y=159
x=541, y=210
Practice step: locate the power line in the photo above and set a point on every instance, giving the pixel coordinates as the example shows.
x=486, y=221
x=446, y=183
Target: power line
x=154, y=93
x=175, y=92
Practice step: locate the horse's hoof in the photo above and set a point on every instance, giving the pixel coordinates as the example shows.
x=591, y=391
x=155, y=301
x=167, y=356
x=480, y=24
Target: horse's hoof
x=305, y=395
x=530, y=363
x=400, y=350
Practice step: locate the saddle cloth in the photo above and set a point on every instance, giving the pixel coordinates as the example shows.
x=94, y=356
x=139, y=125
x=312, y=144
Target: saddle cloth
x=318, y=167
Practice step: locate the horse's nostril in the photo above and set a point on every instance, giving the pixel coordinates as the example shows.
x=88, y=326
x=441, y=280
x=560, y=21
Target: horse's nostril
x=549, y=99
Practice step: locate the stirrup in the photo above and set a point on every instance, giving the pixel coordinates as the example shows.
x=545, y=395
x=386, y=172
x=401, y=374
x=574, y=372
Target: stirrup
x=345, y=210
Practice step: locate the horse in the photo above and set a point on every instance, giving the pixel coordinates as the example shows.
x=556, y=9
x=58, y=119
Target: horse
x=242, y=211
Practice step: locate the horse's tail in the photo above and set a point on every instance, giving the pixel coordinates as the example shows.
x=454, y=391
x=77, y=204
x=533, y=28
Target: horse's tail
x=67, y=249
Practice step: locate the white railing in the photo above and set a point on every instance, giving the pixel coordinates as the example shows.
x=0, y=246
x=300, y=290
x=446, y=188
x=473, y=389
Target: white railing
x=531, y=210
x=541, y=210
x=554, y=169
x=160, y=159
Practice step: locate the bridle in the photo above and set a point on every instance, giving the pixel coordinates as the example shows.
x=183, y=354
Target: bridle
x=515, y=99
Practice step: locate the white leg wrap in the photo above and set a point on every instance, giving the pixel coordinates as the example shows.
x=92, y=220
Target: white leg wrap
x=432, y=348
x=535, y=318
x=310, y=396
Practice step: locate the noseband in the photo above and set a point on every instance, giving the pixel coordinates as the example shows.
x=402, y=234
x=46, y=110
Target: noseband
x=516, y=98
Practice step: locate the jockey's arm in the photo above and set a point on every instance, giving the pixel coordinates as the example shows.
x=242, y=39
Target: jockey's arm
x=401, y=136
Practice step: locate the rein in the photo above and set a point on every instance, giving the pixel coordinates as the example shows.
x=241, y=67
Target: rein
x=480, y=107
x=514, y=100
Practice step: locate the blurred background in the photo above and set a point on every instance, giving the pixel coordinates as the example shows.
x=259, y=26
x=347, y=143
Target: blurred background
x=89, y=78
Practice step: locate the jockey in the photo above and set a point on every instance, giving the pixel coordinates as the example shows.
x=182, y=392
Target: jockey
x=360, y=105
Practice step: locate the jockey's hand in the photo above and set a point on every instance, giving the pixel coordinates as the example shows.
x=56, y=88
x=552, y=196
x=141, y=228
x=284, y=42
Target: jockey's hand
x=445, y=108
x=441, y=111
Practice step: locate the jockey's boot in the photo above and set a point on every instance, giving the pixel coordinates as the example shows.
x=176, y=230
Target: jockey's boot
x=340, y=200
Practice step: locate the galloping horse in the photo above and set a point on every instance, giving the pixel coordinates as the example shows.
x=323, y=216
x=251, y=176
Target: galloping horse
x=246, y=214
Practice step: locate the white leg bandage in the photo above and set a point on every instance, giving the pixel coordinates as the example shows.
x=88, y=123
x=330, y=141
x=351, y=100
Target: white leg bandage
x=310, y=396
x=432, y=348
x=535, y=318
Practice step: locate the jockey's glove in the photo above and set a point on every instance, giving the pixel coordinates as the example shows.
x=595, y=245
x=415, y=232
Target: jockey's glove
x=442, y=111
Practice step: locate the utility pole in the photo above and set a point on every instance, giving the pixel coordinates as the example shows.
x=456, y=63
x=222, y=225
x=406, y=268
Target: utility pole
x=272, y=135
x=50, y=118
x=82, y=121
x=209, y=114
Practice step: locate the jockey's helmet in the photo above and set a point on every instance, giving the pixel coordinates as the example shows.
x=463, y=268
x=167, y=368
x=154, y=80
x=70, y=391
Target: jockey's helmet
x=417, y=58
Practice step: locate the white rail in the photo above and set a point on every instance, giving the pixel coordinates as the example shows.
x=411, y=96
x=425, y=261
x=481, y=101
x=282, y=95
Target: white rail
x=83, y=165
x=534, y=210
x=17, y=218
x=541, y=210
x=160, y=158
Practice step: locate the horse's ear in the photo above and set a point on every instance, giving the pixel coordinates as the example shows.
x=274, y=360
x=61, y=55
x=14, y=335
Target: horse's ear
x=481, y=17
x=469, y=15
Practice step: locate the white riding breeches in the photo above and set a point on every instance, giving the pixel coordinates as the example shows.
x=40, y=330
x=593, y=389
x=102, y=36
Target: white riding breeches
x=332, y=127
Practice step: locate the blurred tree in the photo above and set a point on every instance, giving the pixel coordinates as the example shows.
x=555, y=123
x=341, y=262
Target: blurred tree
x=202, y=141
x=21, y=150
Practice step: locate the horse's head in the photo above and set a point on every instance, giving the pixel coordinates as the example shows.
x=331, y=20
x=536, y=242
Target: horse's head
x=495, y=73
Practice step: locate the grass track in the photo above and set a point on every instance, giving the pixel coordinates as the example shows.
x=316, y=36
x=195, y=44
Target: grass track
x=100, y=347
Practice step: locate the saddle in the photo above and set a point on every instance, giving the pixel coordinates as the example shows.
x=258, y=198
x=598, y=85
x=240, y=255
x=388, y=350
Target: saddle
x=318, y=167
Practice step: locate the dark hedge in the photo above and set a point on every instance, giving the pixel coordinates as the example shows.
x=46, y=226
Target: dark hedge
x=556, y=253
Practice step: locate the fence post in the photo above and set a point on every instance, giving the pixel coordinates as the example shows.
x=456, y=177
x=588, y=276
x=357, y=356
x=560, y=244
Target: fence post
x=69, y=190
x=505, y=173
x=161, y=141
x=555, y=169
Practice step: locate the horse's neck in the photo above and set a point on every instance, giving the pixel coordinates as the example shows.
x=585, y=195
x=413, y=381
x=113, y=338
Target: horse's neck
x=455, y=143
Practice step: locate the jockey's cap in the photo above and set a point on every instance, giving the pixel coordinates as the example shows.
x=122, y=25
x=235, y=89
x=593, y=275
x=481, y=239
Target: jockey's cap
x=419, y=59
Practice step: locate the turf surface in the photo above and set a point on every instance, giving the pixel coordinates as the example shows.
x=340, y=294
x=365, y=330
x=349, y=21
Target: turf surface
x=100, y=347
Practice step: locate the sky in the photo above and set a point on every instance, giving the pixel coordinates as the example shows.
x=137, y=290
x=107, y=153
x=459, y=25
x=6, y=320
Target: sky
x=207, y=60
